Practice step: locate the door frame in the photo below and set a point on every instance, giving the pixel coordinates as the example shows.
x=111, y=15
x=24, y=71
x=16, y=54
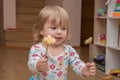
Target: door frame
x=2, y=33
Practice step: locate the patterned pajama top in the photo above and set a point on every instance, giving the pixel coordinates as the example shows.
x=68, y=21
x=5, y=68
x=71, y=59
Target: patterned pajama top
x=58, y=65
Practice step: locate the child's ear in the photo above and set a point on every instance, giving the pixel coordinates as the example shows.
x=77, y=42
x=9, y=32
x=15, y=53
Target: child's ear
x=41, y=32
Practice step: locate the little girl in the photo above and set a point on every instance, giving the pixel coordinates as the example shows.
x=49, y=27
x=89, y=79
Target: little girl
x=54, y=21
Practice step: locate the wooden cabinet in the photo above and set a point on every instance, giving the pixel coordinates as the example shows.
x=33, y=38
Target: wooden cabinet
x=107, y=34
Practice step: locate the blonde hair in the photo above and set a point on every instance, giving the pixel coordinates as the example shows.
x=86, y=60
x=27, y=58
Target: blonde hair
x=54, y=11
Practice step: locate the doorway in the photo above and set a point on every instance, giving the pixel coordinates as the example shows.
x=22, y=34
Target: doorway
x=87, y=20
x=2, y=41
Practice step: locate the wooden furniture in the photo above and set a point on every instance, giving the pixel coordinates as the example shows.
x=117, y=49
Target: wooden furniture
x=105, y=25
x=2, y=41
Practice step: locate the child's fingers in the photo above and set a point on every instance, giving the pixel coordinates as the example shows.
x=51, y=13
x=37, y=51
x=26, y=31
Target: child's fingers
x=43, y=60
x=92, y=69
x=91, y=64
x=46, y=68
x=92, y=73
x=42, y=64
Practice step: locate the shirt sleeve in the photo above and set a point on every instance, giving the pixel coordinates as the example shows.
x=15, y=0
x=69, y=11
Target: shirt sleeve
x=76, y=63
x=34, y=56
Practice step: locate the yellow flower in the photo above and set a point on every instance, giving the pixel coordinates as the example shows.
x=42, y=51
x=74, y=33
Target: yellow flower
x=49, y=40
x=88, y=41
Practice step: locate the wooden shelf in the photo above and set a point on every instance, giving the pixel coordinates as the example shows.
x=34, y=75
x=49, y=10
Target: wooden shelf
x=115, y=48
x=101, y=17
x=108, y=25
x=99, y=44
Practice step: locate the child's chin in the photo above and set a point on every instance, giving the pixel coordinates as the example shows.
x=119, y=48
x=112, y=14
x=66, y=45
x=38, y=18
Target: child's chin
x=58, y=44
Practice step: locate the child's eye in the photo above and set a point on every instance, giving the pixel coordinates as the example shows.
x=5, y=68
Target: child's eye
x=64, y=28
x=53, y=28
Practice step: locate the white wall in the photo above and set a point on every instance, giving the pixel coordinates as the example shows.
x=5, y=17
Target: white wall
x=73, y=8
x=9, y=13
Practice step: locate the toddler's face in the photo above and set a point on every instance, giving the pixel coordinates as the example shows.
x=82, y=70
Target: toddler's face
x=55, y=30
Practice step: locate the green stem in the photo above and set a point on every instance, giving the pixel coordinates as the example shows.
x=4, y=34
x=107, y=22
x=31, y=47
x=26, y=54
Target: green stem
x=47, y=52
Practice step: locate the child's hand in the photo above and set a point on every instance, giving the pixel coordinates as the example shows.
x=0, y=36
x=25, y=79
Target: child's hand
x=89, y=69
x=42, y=65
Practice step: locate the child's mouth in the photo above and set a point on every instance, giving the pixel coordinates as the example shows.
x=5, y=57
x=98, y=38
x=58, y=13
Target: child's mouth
x=58, y=38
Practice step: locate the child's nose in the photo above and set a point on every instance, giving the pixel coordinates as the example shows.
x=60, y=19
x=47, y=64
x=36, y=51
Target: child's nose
x=59, y=31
